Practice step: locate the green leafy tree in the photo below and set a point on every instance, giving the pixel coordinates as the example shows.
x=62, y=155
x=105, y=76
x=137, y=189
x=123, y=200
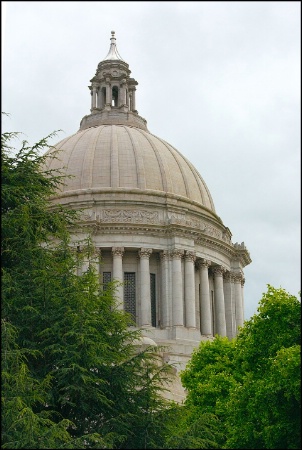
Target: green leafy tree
x=252, y=383
x=264, y=410
x=208, y=378
x=184, y=426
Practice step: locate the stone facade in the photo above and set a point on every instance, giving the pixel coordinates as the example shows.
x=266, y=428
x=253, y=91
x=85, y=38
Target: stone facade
x=152, y=220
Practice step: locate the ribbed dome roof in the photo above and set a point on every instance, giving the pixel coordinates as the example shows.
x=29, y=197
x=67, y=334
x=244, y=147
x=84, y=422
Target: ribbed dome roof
x=119, y=156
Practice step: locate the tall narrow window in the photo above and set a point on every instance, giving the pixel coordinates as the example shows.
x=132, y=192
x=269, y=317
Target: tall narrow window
x=115, y=96
x=103, y=99
x=153, y=298
x=106, y=279
x=129, y=294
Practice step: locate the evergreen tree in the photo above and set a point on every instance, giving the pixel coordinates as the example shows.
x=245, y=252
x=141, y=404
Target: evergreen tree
x=80, y=375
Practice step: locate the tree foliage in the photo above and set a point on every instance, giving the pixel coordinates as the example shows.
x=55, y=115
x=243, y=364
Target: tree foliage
x=268, y=396
x=252, y=383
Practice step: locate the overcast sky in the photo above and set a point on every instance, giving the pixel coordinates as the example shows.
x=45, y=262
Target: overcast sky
x=220, y=81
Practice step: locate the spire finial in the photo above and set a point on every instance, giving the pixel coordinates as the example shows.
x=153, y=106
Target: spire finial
x=113, y=53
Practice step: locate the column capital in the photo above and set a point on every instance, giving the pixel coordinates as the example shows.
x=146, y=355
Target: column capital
x=118, y=251
x=228, y=276
x=242, y=281
x=164, y=255
x=145, y=252
x=190, y=256
x=218, y=270
x=177, y=253
x=203, y=263
x=237, y=276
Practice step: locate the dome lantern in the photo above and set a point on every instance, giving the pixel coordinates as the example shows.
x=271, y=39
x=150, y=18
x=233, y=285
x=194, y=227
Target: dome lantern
x=112, y=89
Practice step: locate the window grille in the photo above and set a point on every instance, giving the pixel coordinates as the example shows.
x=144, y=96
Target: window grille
x=129, y=294
x=153, y=298
x=106, y=279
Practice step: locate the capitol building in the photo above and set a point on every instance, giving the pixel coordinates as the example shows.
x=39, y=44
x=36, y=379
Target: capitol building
x=152, y=221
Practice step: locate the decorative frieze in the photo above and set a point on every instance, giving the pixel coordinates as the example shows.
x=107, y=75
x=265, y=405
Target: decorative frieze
x=129, y=216
x=153, y=217
x=123, y=221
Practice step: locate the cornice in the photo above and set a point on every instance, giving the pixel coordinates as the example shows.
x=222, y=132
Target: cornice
x=166, y=231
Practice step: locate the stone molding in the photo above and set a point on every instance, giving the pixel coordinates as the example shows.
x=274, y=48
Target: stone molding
x=110, y=220
x=215, y=245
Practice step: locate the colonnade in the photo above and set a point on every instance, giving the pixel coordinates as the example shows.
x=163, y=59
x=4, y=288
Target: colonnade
x=101, y=96
x=221, y=305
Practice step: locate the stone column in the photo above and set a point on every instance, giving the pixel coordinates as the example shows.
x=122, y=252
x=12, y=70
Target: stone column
x=91, y=93
x=164, y=310
x=205, y=301
x=190, y=290
x=144, y=254
x=117, y=274
x=133, y=100
x=177, y=301
x=93, y=97
x=238, y=299
x=229, y=307
x=103, y=95
x=108, y=94
x=122, y=99
x=99, y=98
x=242, y=295
x=219, y=301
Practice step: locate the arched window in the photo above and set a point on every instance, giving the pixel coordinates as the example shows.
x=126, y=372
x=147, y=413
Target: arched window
x=115, y=96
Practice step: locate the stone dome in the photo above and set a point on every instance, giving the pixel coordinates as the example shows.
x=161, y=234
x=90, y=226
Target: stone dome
x=122, y=157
